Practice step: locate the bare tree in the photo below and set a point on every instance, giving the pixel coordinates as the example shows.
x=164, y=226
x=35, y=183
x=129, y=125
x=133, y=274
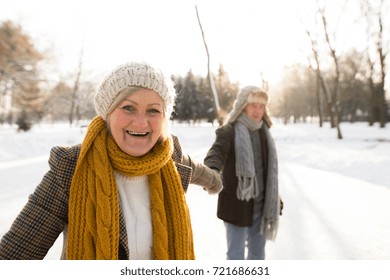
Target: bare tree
x=321, y=83
x=217, y=107
x=353, y=84
x=73, y=99
x=376, y=54
x=19, y=76
x=332, y=90
x=335, y=96
x=382, y=53
x=59, y=94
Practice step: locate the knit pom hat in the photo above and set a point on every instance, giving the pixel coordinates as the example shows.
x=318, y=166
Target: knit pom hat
x=134, y=74
x=249, y=94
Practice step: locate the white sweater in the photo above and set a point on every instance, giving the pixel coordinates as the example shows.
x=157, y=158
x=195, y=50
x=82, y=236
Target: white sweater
x=135, y=199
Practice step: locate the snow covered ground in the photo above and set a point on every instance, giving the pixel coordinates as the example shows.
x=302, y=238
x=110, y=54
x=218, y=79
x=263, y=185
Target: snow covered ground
x=336, y=192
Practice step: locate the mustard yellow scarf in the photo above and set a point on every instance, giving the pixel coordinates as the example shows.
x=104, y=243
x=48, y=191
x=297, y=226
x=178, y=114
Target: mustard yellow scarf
x=93, y=229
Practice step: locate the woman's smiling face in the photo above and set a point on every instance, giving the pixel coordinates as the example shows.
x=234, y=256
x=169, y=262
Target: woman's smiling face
x=136, y=124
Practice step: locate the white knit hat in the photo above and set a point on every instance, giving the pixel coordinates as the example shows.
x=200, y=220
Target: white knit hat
x=248, y=94
x=134, y=74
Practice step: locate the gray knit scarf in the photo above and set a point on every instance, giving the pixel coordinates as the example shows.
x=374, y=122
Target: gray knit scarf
x=245, y=165
x=247, y=184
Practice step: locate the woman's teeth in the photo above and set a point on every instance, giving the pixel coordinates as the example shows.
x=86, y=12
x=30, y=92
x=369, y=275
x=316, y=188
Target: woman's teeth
x=138, y=134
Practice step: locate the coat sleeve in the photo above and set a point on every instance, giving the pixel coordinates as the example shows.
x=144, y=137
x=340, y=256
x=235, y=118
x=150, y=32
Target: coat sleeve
x=201, y=175
x=217, y=154
x=44, y=216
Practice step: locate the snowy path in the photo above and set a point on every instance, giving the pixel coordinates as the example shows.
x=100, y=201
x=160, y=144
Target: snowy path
x=331, y=216
x=319, y=221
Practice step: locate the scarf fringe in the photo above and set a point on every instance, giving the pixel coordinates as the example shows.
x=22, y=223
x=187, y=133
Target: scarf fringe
x=246, y=189
x=269, y=229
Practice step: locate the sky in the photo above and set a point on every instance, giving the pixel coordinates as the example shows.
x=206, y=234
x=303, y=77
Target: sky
x=252, y=39
x=335, y=193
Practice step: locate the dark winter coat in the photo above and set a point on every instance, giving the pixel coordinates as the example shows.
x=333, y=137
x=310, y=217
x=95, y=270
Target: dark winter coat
x=221, y=157
x=45, y=216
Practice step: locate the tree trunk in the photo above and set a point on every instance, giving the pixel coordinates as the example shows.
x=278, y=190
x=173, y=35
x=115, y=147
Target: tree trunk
x=73, y=99
x=335, y=97
x=319, y=109
x=382, y=90
x=210, y=76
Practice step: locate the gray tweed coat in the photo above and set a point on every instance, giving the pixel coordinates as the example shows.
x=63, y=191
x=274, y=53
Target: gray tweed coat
x=45, y=215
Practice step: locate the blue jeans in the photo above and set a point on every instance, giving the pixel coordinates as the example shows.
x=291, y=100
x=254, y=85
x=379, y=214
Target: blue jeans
x=239, y=237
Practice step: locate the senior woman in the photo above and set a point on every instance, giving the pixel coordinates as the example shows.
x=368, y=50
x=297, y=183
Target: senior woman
x=121, y=193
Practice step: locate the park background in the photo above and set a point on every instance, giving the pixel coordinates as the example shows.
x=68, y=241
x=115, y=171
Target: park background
x=324, y=64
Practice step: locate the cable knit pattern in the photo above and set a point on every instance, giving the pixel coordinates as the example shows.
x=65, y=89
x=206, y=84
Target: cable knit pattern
x=94, y=206
x=134, y=74
x=93, y=202
x=181, y=224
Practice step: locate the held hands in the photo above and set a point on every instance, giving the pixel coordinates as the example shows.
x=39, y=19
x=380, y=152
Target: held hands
x=215, y=185
x=206, y=177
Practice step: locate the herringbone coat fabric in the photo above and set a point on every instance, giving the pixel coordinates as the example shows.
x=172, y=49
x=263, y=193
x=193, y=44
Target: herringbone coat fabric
x=45, y=215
